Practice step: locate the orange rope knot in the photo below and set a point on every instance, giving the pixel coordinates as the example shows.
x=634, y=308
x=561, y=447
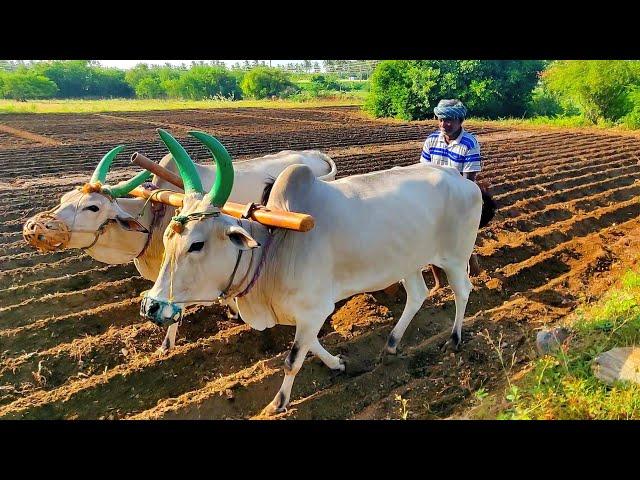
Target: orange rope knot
x=176, y=226
x=91, y=188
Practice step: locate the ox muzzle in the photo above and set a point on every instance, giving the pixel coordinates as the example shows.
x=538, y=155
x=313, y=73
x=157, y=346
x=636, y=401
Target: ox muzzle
x=160, y=312
x=46, y=232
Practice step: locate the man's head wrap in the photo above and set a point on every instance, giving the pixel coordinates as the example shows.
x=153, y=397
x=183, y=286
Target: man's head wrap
x=450, y=109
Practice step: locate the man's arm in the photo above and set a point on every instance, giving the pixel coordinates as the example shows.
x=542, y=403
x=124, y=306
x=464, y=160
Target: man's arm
x=425, y=157
x=473, y=163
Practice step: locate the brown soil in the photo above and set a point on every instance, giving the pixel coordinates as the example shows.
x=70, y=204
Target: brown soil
x=72, y=344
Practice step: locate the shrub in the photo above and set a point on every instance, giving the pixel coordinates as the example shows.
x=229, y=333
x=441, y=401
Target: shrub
x=632, y=119
x=201, y=81
x=150, y=87
x=324, y=82
x=264, y=82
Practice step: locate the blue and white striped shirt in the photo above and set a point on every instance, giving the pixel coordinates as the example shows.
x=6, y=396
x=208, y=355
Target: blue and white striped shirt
x=462, y=153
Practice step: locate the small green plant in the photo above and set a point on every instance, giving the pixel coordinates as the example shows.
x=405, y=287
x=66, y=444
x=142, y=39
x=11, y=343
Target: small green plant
x=563, y=385
x=481, y=394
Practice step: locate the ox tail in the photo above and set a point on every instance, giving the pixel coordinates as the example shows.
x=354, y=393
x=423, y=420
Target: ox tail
x=266, y=192
x=332, y=165
x=489, y=208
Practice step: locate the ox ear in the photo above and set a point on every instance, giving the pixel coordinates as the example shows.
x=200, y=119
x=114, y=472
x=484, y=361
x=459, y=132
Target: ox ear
x=241, y=238
x=127, y=222
x=131, y=224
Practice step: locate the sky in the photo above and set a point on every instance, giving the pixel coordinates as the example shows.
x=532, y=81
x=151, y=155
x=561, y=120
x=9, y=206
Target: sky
x=126, y=64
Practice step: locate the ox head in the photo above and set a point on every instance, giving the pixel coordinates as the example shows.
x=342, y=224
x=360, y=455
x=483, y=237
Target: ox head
x=85, y=212
x=201, y=243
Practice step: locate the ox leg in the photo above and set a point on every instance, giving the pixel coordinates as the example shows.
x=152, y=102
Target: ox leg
x=437, y=278
x=416, y=295
x=302, y=343
x=169, y=339
x=334, y=362
x=461, y=286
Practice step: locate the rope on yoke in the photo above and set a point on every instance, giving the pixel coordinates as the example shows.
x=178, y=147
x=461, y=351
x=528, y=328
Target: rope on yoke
x=158, y=210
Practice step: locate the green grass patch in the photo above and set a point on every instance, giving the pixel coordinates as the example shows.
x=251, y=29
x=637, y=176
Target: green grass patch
x=129, y=105
x=575, y=121
x=563, y=386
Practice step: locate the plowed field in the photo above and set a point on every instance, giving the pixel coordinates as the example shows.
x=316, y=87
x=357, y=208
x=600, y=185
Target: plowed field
x=72, y=344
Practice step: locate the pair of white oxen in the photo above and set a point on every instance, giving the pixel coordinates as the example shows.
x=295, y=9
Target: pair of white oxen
x=371, y=231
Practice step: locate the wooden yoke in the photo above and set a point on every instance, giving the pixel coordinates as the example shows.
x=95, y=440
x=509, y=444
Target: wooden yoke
x=299, y=222
x=153, y=167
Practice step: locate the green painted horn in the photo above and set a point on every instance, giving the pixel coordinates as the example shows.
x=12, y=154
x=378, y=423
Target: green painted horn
x=100, y=173
x=221, y=189
x=186, y=167
x=123, y=189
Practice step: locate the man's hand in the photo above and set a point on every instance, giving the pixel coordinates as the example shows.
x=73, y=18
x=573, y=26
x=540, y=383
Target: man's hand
x=470, y=175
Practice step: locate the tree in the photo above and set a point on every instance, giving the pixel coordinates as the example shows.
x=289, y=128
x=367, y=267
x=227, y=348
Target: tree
x=26, y=84
x=265, y=82
x=411, y=89
x=601, y=88
x=109, y=82
x=389, y=93
x=73, y=77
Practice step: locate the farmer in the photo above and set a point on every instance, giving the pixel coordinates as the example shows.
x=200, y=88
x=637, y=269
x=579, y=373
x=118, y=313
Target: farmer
x=454, y=147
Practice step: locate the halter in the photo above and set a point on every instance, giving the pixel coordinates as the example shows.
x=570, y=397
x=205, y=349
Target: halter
x=175, y=310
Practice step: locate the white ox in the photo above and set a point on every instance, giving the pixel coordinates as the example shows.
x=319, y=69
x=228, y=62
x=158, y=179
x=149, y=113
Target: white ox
x=130, y=232
x=370, y=231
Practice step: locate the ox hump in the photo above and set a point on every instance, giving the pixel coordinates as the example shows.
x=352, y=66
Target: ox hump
x=291, y=187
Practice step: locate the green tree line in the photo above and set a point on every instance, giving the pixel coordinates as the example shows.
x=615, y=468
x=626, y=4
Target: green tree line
x=596, y=91
x=81, y=79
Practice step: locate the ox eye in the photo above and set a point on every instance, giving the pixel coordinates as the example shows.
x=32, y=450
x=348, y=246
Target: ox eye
x=93, y=208
x=196, y=246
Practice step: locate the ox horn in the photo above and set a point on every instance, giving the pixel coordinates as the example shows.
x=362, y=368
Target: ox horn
x=123, y=189
x=221, y=189
x=186, y=167
x=100, y=173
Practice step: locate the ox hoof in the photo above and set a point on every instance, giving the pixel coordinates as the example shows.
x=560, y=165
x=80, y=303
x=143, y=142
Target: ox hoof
x=342, y=366
x=163, y=349
x=273, y=409
x=451, y=345
x=276, y=406
x=389, y=355
x=391, y=347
